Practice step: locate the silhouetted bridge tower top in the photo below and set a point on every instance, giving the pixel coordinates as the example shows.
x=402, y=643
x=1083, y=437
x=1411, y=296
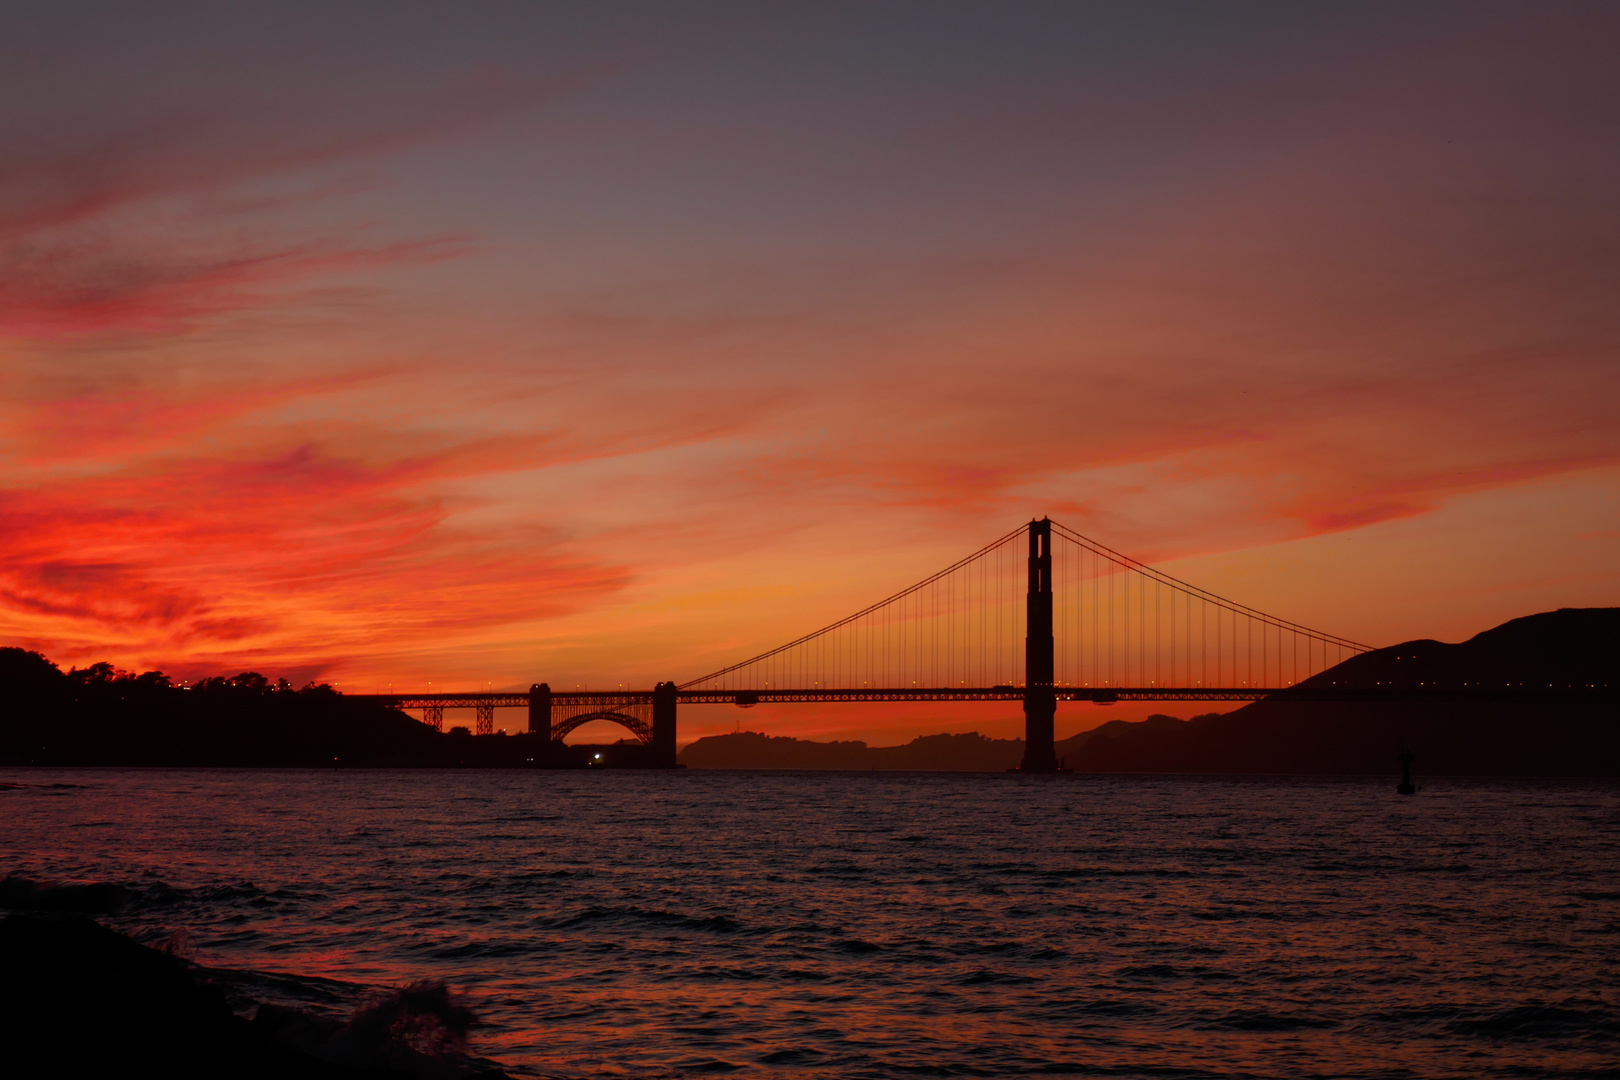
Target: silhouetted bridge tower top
x=1040, y=616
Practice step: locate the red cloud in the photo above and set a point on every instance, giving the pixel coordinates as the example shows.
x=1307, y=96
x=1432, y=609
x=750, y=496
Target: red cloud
x=297, y=553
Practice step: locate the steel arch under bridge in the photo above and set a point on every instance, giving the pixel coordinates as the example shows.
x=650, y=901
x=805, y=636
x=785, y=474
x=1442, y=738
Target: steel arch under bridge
x=648, y=715
x=632, y=711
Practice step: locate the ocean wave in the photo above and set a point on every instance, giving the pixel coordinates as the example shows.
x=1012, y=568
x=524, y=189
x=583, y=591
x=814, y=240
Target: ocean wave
x=983, y=977
x=18, y=893
x=1264, y=1020
x=421, y=1030
x=1195, y=972
x=1538, y=1022
x=21, y=893
x=488, y=949
x=712, y=924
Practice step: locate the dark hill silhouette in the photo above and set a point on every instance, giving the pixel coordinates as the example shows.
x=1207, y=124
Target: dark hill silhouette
x=1571, y=647
x=942, y=753
x=102, y=716
x=970, y=752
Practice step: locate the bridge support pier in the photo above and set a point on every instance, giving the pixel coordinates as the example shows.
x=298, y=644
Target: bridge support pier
x=663, y=725
x=433, y=716
x=1040, y=715
x=1040, y=700
x=484, y=723
x=540, y=709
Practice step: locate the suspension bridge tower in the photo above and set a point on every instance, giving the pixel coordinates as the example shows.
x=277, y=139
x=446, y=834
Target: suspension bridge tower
x=1040, y=700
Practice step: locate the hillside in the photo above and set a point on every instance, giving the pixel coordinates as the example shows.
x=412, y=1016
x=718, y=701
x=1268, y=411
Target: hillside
x=102, y=716
x=1569, y=647
x=1558, y=649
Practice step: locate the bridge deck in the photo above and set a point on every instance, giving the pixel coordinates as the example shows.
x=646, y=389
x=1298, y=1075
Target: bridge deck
x=1103, y=695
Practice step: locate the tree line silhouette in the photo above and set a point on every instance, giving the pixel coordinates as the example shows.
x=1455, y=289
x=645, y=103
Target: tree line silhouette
x=102, y=715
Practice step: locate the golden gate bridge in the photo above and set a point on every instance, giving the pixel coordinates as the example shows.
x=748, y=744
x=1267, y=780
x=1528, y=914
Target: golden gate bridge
x=1040, y=616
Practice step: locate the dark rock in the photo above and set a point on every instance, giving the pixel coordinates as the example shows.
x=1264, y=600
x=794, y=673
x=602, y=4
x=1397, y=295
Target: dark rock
x=78, y=999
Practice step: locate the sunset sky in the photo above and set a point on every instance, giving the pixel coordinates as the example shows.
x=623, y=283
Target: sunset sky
x=395, y=344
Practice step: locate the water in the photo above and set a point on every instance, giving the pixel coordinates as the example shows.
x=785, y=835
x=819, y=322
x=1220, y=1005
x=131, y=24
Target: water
x=804, y=924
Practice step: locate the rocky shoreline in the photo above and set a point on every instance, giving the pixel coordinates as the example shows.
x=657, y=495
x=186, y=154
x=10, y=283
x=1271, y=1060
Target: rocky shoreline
x=81, y=999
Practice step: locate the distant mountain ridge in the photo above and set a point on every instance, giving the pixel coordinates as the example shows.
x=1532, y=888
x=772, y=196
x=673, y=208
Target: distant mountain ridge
x=1571, y=647
x=967, y=752
x=942, y=753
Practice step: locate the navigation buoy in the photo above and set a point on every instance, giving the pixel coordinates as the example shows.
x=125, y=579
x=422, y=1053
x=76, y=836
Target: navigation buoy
x=1406, y=787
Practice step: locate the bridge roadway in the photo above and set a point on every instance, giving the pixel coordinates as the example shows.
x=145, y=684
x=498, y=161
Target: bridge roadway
x=1099, y=695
